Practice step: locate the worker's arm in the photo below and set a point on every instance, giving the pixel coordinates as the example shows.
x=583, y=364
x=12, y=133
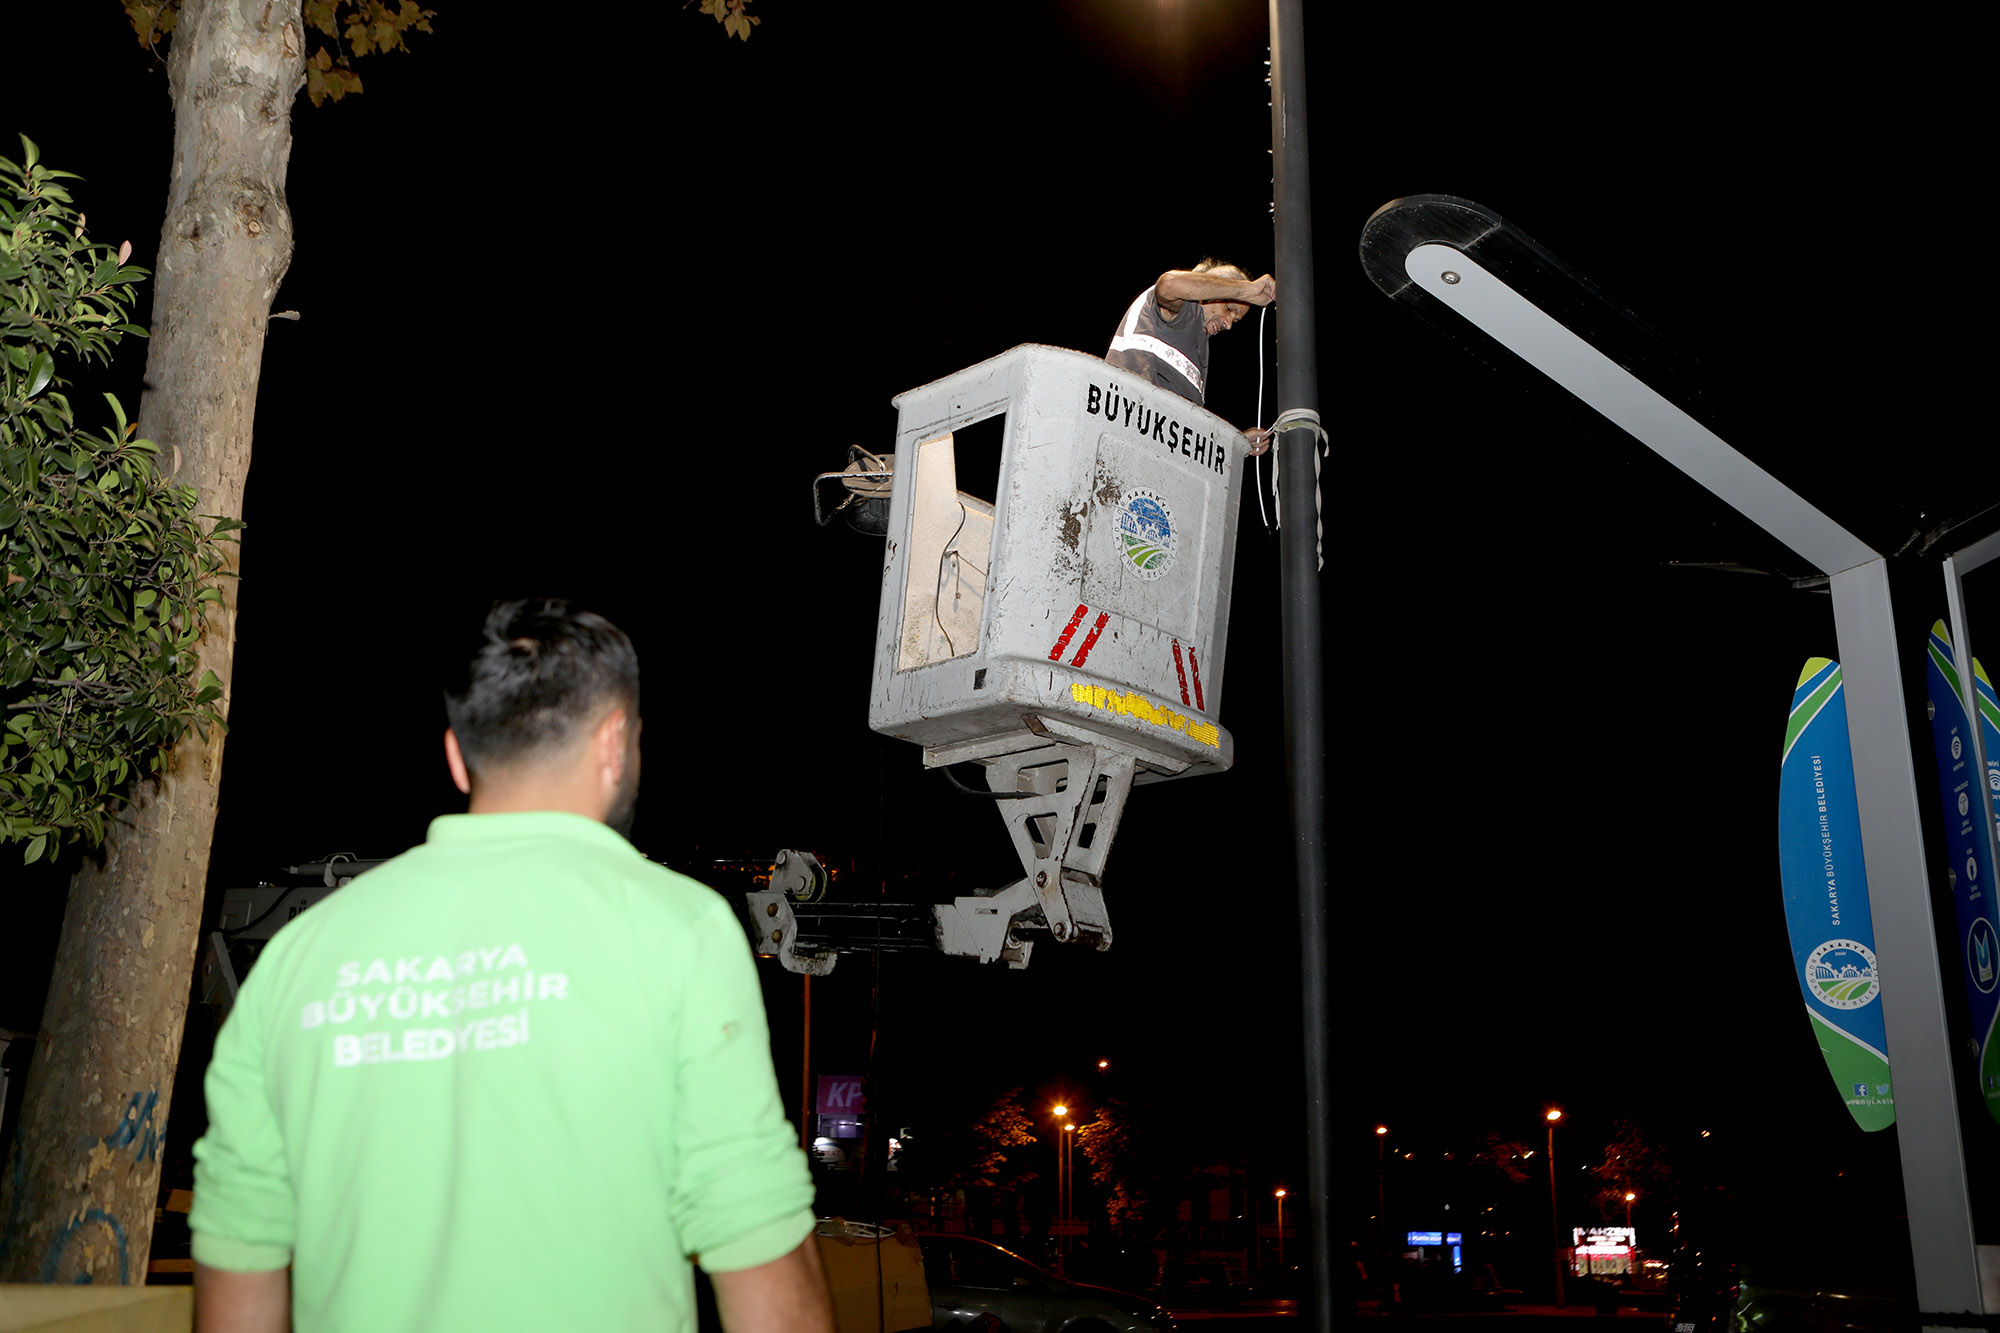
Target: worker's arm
x=244, y=1208
x=743, y=1193
x=226, y=1302
x=787, y=1295
x=1181, y=285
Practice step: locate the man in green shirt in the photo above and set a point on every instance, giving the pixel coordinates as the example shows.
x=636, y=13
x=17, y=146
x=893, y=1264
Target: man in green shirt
x=517, y=1077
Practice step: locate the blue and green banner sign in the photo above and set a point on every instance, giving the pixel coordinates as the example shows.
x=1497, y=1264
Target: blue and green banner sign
x=1970, y=798
x=1826, y=896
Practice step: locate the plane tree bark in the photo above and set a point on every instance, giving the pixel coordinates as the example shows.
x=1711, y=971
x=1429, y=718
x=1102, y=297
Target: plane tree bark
x=78, y=1201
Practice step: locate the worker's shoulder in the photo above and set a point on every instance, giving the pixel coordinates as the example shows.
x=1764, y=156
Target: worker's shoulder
x=541, y=872
x=574, y=858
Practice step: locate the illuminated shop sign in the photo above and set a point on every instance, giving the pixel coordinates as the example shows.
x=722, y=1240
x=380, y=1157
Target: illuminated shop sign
x=1603, y=1240
x=1436, y=1238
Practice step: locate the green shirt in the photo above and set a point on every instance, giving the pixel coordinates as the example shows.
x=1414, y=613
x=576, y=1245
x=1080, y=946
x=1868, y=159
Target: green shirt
x=512, y=1079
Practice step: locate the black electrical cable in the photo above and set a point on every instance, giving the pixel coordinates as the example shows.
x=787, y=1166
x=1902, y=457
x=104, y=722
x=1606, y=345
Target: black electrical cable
x=936, y=613
x=952, y=778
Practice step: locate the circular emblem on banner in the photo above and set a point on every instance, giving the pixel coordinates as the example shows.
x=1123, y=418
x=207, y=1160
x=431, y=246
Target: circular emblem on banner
x=1982, y=955
x=1964, y=803
x=1841, y=974
x=1993, y=777
x=1957, y=748
x=1146, y=536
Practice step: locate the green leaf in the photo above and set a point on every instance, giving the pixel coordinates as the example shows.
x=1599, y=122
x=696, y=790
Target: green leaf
x=34, y=852
x=108, y=562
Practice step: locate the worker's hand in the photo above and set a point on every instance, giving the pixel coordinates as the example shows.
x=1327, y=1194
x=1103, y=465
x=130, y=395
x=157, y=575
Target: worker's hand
x=1260, y=440
x=1262, y=292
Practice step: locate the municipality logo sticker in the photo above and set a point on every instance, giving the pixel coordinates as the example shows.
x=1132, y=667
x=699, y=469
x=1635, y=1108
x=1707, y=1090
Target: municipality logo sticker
x=1982, y=955
x=1146, y=535
x=1841, y=974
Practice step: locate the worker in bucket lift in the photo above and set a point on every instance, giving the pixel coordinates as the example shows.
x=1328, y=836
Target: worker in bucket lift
x=1164, y=335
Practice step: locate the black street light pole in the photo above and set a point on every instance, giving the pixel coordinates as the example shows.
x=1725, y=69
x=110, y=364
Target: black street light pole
x=1555, y=1218
x=1305, y=722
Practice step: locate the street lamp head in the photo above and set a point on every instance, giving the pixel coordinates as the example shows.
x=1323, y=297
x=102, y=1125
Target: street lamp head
x=1062, y=1110
x=1381, y=1129
x=1278, y=1193
x=1070, y=1128
x=1630, y=1197
x=1554, y=1115
x=1104, y=1064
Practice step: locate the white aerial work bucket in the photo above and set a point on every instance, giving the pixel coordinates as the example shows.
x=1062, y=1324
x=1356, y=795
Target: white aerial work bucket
x=1090, y=595
x=1067, y=629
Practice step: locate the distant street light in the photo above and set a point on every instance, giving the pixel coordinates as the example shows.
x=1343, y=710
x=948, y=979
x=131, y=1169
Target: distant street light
x=1279, y=1194
x=1068, y=1200
x=1631, y=1242
x=1381, y=1199
x=1104, y=1064
x=1062, y=1144
x=1555, y=1217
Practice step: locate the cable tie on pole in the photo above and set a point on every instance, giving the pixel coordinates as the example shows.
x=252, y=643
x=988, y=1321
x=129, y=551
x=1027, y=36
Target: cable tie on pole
x=1295, y=418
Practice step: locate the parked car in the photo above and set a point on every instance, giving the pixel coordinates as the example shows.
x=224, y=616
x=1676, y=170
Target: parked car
x=1197, y=1286
x=969, y=1278
x=1592, y=1291
x=1764, y=1306
x=1729, y=1277
x=1433, y=1288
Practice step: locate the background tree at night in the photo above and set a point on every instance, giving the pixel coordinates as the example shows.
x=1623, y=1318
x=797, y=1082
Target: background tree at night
x=1141, y=1163
x=111, y=1026
x=1633, y=1164
x=1115, y=1149
x=103, y=1072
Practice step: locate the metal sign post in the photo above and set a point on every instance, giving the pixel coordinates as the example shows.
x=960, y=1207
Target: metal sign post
x=1433, y=241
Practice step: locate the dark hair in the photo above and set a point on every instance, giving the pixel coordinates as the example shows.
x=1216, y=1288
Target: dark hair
x=542, y=670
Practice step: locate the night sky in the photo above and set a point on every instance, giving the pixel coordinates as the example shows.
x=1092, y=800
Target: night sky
x=584, y=309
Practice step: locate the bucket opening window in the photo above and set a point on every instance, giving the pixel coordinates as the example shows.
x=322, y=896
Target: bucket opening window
x=950, y=542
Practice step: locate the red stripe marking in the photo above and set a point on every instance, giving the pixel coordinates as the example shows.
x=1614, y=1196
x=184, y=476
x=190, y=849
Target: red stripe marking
x=1055, y=653
x=1180, y=670
x=1198, y=701
x=1090, y=639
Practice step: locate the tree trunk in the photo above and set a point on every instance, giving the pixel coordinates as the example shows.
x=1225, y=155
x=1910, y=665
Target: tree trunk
x=79, y=1195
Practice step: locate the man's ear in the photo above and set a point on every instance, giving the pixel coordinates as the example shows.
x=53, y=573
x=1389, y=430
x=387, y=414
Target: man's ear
x=610, y=748
x=454, y=759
